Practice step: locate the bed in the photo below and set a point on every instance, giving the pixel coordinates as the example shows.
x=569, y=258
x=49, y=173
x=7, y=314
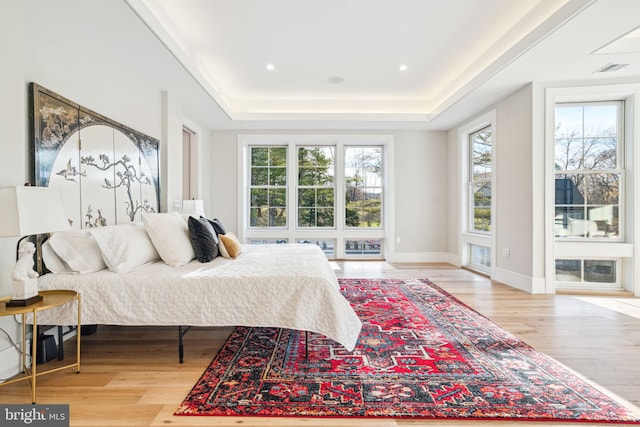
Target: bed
x=280, y=285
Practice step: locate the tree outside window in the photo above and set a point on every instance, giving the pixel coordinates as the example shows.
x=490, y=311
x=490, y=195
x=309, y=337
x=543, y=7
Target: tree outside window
x=480, y=144
x=316, y=188
x=268, y=187
x=588, y=171
x=363, y=186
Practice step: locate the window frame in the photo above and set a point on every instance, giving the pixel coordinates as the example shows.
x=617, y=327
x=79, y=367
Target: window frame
x=339, y=233
x=315, y=188
x=580, y=284
x=473, y=182
x=381, y=187
x=268, y=186
x=466, y=238
x=629, y=93
x=620, y=170
x=478, y=266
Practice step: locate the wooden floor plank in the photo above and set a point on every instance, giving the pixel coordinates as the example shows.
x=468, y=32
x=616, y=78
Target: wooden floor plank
x=130, y=375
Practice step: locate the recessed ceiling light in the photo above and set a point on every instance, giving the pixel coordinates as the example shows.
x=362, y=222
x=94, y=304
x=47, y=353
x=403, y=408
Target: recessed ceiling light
x=402, y=67
x=270, y=67
x=336, y=80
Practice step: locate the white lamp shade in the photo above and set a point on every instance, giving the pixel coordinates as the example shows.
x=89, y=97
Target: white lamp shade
x=193, y=207
x=25, y=211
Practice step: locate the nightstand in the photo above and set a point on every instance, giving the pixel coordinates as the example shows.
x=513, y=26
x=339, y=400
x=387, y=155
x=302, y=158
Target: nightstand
x=51, y=299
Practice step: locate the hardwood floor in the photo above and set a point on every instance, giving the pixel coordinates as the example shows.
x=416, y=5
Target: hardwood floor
x=130, y=375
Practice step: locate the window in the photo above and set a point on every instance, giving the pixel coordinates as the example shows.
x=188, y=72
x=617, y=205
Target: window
x=268, y=241
x=480, y=257
x=588, y=170
x=478, y=148
x=317, y=189
x=588, y=162
x=481, y=166
x=327, y=246
x=576, y=272
x=363, y=248
x=590, y=211
x=363, y=186
x=268, y=187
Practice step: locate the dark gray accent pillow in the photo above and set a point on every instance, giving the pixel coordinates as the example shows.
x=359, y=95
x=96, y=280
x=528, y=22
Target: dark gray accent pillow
x=203, y=239
x=217, y=225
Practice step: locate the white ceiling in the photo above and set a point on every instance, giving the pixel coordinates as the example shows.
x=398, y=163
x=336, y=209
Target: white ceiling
x=337, y=61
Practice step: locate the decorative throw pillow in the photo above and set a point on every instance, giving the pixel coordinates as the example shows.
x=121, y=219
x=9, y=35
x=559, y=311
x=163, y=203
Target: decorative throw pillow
x=217, y=226
x=170, y=235
x=203, y=239
x=222, y=250
x=229, y=245
x=79, y=250
x=125, y=247
x=52, y=261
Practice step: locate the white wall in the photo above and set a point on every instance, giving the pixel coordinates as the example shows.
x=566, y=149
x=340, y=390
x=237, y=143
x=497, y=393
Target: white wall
x=87, y=52
x=453, y=190
x=223, y=165
x=514, y=209
x=98, y=54
x=13, y=161
x=421, y=193
x=514, y=164
x=421, y=211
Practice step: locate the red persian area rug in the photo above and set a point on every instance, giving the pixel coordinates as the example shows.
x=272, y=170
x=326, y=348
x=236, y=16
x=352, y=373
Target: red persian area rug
x=421, y=354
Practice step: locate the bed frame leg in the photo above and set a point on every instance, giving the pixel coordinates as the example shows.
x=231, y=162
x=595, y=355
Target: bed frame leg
x=182, y=333
x=180, y=345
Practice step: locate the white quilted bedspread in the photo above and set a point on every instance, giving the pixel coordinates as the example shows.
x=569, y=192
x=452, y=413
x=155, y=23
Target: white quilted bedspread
x=287, y=286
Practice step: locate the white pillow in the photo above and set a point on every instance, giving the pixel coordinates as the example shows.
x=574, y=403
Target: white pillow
x=186, y=217
x=170, y=235
x=79, y=250
x=52, y=261
x=125, y=247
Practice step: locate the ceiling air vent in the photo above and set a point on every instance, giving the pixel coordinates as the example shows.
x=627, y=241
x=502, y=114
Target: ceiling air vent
x=609, y=68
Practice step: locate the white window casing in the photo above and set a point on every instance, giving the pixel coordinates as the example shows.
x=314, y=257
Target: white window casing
x=339, y=233
x=621, y=248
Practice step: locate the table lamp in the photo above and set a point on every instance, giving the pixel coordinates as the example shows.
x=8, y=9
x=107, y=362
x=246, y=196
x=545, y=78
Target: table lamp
x=193, y=206
x=24, y=212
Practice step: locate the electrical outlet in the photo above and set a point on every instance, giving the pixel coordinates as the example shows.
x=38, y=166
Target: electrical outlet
x=398, y=239
x=506, y=252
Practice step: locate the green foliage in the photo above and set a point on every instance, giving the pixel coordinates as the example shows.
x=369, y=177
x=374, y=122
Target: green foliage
x=316, y=191
x=352, y=218
x=365, y=213
x=482, y=219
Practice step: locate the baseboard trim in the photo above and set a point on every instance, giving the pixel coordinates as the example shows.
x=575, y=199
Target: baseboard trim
x=515, y=280
x=419, y=257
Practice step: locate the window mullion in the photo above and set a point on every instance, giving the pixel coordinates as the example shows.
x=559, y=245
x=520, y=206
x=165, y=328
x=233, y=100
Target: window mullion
x=339, y=199
x=292, y=191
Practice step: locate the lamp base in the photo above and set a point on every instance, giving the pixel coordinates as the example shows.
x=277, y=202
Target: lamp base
x=24, y=302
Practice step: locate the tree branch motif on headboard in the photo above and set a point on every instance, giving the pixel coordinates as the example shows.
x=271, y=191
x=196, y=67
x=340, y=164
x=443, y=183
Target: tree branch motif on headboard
x=126, y=177
x=73, y=147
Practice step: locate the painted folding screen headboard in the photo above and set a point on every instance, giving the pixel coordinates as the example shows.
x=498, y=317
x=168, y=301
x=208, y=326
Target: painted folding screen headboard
x=108, y=173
